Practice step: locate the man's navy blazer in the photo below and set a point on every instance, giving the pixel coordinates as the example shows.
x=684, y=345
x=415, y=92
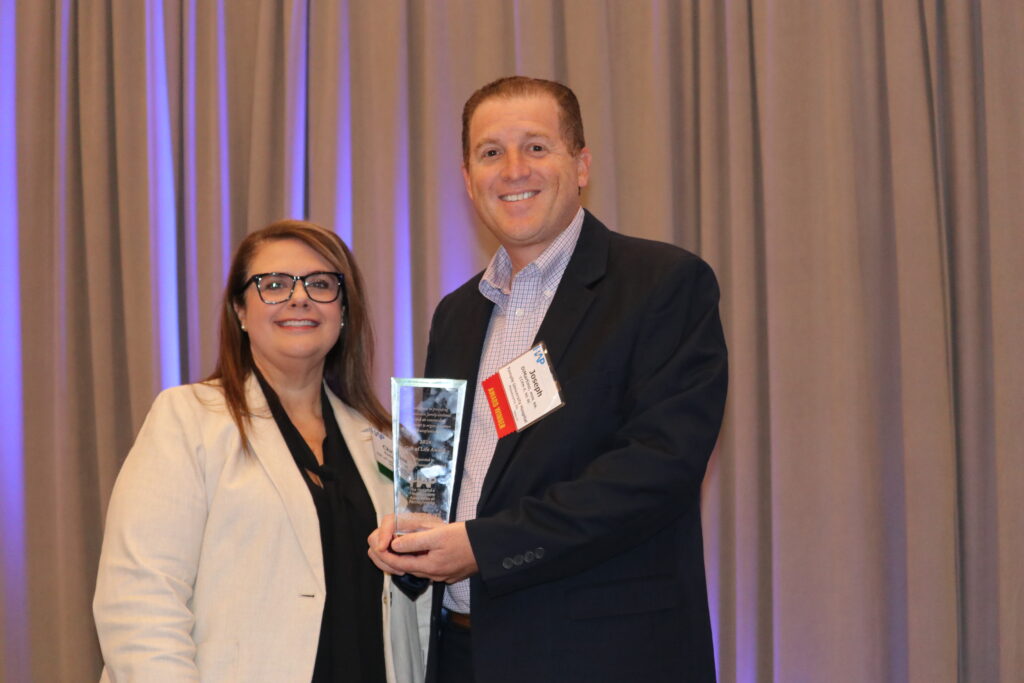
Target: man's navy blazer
x=588, y=530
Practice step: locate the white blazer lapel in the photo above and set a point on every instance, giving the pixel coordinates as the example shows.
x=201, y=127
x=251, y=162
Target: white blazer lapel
x=271, y=450
x=356, y=430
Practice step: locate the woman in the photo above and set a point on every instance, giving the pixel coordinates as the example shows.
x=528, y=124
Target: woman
x=235, y=546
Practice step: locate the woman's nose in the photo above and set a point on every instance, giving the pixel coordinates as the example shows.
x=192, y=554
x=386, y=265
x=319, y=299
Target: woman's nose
x=300, y=297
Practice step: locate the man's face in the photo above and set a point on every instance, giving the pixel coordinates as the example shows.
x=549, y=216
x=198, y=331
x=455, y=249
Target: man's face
x=521, y=176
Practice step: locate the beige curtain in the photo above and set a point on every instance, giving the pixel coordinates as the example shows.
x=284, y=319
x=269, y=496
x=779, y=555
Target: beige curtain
x=851, y=169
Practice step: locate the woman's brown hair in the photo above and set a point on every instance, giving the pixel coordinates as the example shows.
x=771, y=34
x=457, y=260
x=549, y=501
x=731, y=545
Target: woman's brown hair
x=348, y=364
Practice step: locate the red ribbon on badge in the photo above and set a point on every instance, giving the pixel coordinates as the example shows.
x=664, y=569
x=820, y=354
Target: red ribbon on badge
x=497, y=401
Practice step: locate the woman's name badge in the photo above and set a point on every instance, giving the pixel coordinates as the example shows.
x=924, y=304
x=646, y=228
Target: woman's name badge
x=523, y=391
x=382, y=451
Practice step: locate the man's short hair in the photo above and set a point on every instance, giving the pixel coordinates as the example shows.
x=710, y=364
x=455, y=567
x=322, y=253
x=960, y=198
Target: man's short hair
x=569, y=117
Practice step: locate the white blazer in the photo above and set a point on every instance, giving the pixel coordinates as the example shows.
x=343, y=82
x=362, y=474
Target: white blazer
x=212, y=567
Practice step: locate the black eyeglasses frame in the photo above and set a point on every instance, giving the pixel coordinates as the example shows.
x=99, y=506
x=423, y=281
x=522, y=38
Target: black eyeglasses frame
x=342, y=290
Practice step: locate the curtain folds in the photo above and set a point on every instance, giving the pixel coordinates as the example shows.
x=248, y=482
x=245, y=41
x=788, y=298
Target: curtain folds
x=851, y=170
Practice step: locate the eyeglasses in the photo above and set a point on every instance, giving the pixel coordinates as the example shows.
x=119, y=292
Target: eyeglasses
x=277, y=288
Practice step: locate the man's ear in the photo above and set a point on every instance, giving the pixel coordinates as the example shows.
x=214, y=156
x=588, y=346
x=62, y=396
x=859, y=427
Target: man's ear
x=468, y=182
x=583, y=167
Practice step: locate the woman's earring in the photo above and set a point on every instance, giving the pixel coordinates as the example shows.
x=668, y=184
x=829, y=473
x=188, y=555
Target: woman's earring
x=243, y=326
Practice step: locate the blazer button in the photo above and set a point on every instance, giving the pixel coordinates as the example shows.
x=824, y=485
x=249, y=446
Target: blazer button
x=507, y=563
x=518, y=559
x=539, y=552
x=529, y=556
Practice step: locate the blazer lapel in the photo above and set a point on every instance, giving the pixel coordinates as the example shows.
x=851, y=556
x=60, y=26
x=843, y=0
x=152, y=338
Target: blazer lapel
x=463, y=362
x=570, y=304
x=270, y=449
x=356, y=431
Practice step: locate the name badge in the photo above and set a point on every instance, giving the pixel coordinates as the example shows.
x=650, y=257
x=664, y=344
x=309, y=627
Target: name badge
x=523, y=391
x=383, y=451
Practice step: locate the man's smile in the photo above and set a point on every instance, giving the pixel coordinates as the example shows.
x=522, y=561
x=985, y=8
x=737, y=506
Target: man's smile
x=519, y=196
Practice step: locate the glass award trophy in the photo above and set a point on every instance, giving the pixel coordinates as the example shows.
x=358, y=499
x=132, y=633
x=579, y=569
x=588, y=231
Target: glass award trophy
x=426, y=422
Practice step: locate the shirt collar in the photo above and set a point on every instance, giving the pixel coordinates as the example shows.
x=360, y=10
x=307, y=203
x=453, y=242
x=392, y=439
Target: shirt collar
x=496, y=282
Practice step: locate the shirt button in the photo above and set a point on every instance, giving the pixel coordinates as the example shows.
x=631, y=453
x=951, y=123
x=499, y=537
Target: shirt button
x=519, y=312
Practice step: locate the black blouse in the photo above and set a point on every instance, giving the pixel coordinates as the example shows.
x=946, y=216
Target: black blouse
x=351, y=639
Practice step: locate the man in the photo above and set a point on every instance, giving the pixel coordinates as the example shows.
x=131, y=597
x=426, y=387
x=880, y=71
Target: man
x=576, y=554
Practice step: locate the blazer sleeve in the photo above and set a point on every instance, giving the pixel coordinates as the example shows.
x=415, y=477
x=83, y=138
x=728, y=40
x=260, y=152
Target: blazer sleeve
x=150, y=552
x=649, y=472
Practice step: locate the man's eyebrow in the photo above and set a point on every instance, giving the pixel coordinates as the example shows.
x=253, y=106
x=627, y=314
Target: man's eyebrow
x=531, y=134
x=485, y=142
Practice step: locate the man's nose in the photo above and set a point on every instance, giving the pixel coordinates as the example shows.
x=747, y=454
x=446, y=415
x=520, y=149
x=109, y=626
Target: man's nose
x=516, y=166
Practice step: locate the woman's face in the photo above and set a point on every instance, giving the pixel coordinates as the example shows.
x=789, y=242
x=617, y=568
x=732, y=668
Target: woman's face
x=294, y=336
